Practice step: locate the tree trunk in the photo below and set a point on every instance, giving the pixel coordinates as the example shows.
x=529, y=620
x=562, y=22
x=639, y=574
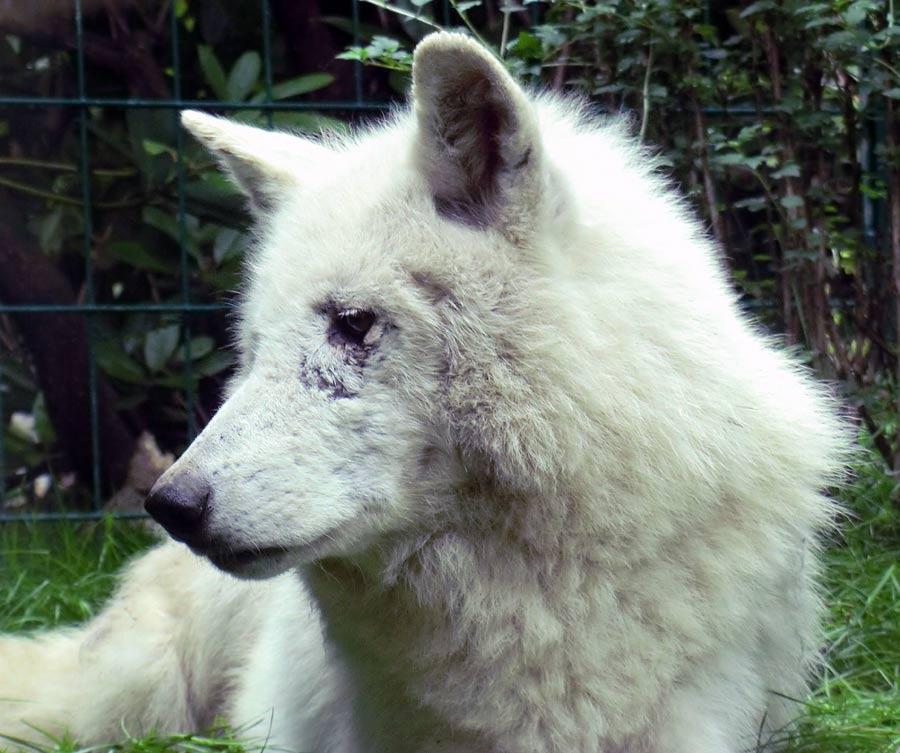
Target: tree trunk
x=58, y=345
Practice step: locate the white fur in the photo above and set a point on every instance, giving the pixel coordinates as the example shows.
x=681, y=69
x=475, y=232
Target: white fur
x=568, y=500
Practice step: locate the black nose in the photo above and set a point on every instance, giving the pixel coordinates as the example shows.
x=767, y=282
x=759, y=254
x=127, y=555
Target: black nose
x=179, y=505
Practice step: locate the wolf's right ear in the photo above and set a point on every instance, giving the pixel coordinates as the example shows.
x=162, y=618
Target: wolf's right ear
x=478, y=143
x=265, y=165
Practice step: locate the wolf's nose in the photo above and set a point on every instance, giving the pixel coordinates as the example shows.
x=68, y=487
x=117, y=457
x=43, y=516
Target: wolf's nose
x=179, y=505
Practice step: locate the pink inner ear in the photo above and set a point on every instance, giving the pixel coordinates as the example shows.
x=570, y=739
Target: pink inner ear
x=466, y=138
x=476, y=139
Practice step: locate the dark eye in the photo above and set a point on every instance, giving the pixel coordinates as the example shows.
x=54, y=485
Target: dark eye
x=351, y=326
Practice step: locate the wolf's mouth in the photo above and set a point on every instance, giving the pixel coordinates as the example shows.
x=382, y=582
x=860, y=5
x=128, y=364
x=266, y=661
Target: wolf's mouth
x=241, y=560
x=262, y=562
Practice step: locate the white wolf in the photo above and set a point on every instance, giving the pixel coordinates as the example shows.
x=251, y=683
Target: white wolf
x=503, y=468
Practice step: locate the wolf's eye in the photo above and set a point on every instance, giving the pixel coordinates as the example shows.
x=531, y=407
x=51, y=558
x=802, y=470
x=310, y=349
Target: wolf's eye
x=351, y=326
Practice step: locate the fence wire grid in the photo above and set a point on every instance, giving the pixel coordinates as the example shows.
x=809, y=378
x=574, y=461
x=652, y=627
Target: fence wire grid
x=184, y=307
x=22, y=492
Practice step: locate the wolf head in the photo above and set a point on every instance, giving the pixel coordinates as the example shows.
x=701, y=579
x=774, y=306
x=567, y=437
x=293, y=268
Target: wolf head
x=391, y=312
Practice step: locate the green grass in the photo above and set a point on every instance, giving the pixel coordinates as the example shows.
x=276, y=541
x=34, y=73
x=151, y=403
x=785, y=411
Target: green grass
x=214, y=742
x=60, y=573
x=856, y=706
x=57, y=573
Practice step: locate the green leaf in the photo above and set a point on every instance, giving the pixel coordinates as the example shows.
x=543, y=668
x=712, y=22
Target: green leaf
x=857, y=12
x=730, y=158
x=213, y=196
x=625, y=63
x=21, y=426
x=354, y=54
x=136, y=255
x=116, y=363
x=225, y=278
x=818, y=22
x=294, y=87
x=244, y=75
x=550, y=35
x=50, y=229
x=162, y=221
x=159, y=346
x=42, y=424
x=791, y=202
x=213, y=72
x=154, y=149
x=214, y=363
x=788, y=170
x=527, y=46
x=758, y=7
x=310, y=122
x=810, y=9
x=752, y=204
x=382, y=45
x=226, y=245
x=199, y=347
x=157, y=127
x=843, y=41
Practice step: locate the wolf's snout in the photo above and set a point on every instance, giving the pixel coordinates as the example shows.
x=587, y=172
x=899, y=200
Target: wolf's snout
x=179, y=505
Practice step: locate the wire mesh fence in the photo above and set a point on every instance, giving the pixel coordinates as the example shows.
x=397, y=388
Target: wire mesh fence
x=121, y=284
x=178, y=309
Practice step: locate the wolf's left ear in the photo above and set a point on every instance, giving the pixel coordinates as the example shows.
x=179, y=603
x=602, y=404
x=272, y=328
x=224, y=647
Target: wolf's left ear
x=265, y=165
x=478, y=141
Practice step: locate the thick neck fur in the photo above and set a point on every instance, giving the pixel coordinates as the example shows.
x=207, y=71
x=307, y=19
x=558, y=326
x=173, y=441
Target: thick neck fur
x=478, y=621
x=516, y=608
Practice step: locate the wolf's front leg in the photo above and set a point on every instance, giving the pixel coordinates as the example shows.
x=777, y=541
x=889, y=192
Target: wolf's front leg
x=152, y=660
x=38, y=683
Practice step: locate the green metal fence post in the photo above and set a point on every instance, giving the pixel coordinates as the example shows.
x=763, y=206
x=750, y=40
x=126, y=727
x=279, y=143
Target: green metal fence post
x=87, y=220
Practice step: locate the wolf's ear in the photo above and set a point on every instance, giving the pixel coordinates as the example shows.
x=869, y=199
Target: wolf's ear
x=478, y=141
x=265, y=165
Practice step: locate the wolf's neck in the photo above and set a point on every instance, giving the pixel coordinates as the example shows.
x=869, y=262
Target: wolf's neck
x=450, y=620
